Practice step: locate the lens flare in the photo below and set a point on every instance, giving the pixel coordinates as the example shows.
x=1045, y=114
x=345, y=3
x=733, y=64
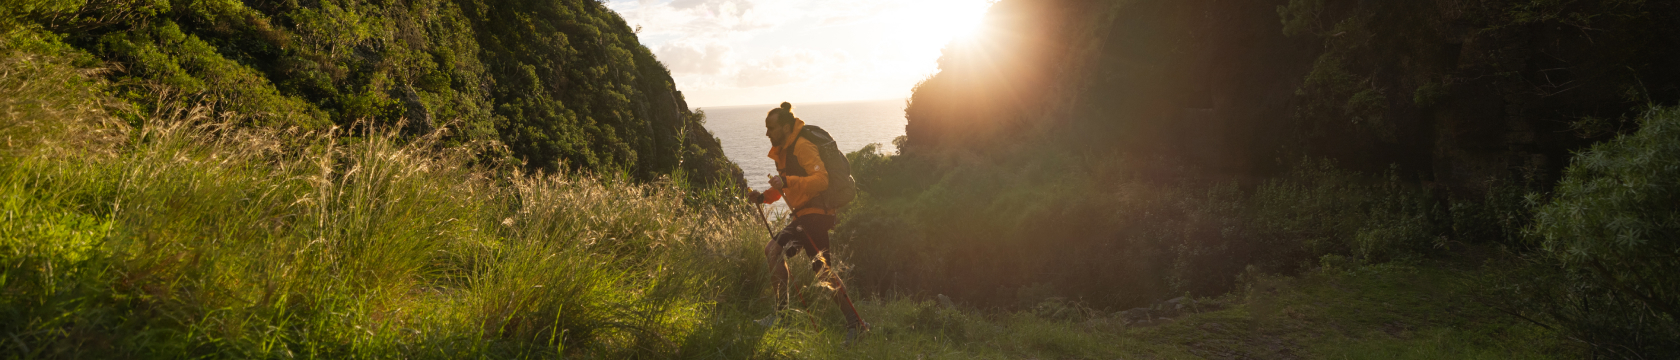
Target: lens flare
x=952, y=20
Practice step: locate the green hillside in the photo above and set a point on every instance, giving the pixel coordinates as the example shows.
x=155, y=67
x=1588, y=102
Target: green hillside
x=564, y=84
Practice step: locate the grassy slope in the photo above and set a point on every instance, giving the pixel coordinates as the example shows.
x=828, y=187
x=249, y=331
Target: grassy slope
x=187, y=236
x=1379, y=312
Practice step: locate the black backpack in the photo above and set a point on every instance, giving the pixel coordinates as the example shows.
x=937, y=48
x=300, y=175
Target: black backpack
x=841, y=188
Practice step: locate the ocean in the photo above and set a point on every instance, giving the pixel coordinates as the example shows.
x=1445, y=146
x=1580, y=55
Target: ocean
x=853, y=125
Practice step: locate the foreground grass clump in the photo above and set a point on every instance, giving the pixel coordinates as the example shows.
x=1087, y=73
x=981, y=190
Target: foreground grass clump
x=185, y=237
x=244, y=248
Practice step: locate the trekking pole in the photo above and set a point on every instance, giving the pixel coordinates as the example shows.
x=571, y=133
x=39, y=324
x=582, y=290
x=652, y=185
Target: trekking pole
x=762, y=219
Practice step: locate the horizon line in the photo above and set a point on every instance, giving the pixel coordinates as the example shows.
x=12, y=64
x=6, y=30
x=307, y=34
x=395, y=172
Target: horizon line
x=797, y=105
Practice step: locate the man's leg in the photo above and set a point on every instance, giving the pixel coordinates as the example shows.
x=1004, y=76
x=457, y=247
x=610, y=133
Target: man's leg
x=816, y=243
x=845, y=302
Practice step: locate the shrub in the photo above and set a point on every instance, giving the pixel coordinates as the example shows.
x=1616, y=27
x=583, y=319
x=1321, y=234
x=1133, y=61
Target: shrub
x=1311, y=211
x=1318, y=209
x=1402, y=222
x=1571, y=303
x=1614, y=214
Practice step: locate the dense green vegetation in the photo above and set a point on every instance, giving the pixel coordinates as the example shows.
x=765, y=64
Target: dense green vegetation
x=565, y=84
x=1082, y=227
x=1607, y=235
x=1614, y=212
x=1127, y=152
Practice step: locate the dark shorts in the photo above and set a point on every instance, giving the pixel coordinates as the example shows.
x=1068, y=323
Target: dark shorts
x=808, y=233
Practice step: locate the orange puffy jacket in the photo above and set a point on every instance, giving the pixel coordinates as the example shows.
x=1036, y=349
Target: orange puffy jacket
x=800, y=190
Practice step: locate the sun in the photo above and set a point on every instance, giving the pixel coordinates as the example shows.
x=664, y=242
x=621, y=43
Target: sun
x=965, y=20
x=941, y=21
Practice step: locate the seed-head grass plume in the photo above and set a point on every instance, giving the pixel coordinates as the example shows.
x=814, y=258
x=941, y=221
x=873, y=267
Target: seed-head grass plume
x=191, y=235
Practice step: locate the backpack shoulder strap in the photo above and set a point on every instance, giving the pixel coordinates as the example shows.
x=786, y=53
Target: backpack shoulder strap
x=787, y=153
x=790, y=162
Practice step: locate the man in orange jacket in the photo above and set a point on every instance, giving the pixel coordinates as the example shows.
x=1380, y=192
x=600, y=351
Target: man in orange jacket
x=801, y=181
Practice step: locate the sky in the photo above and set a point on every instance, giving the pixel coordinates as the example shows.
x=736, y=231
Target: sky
x=750, y=52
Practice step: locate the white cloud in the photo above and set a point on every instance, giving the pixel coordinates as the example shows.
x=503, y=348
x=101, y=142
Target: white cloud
x=699, y=18
x=761, y=75
x=725, y=52
x=695, y=58
x=850, y=13
x=789, y=65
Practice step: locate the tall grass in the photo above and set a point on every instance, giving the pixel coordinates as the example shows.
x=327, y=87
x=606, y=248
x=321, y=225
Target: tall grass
x=182, y=237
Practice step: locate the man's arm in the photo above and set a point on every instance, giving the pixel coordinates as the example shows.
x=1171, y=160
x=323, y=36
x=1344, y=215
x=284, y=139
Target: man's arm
x=766, y=197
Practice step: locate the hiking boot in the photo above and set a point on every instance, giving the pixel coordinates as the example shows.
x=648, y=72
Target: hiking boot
x=854, y=332
x=768, y=321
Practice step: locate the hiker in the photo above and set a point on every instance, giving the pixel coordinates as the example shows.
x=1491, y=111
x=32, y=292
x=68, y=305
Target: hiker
x=803, y=181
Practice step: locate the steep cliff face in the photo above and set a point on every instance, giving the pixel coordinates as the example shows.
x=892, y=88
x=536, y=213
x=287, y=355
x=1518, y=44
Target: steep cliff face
x=1459, y=92
x=563, y=83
